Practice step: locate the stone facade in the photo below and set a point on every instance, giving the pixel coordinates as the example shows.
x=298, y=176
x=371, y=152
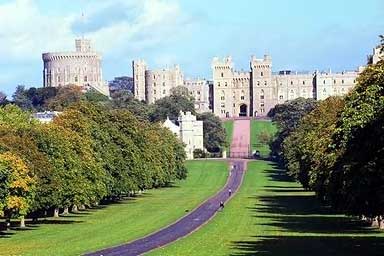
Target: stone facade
x=151, y=85
x=199, y=90
x=255, y=92
x=189, y=131
x=81, y=67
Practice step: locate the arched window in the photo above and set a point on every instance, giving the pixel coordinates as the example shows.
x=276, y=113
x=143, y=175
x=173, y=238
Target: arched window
x=222, y=74
x=324, y=82
x=261, y=74
x=303, y=82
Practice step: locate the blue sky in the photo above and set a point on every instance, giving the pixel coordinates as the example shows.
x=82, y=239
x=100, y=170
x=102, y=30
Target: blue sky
x=300, y=35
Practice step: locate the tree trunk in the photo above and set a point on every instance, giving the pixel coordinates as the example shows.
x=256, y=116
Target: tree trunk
x=82, y=207
x=22, y=222
x=66, y=210
x=56, y=213
x=74, y=208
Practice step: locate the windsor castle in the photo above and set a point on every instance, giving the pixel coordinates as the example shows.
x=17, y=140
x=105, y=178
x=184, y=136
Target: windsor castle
x=230, y=93
x=234, y=93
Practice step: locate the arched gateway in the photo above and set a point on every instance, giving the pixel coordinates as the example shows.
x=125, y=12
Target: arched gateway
x=243, y=110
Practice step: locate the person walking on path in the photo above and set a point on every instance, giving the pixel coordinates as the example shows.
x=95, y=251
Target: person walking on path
x=229, y=191
x=221, y=205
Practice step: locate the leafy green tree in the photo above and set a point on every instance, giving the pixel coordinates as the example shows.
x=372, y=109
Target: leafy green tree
x=125, y=100
x=214, y=132
x=306, y=148
x=16, y=187
x=287, y=117
x=65, y=97
x=171, y=106
x=21, y=99
x=358, y=172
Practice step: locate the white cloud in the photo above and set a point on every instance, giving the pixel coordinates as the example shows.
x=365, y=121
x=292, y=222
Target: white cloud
x=118, y=29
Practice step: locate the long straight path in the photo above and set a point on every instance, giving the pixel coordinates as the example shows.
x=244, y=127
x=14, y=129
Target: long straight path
x=197, y=217
x=241, y=138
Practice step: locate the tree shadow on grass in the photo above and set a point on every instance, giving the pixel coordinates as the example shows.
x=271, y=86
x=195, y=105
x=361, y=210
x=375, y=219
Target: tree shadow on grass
x=310, y=246
x=303, y=226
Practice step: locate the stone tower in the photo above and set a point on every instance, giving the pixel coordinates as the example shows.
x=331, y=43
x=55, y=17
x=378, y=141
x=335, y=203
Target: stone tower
x=262, y=89
x=81, y=67
x=222, y=76
x=139, y=85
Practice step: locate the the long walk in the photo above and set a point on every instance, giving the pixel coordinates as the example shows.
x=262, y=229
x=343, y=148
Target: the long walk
x=240, y=145
x=197, y=217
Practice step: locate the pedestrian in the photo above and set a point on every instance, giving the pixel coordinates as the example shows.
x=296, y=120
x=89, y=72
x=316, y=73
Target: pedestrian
x=229, y=191
x=221, y=205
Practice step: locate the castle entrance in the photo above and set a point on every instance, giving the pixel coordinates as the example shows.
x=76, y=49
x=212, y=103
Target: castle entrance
x=243, y=110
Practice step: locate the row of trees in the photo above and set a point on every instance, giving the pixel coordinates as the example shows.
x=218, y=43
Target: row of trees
x=87, y=154
x=336, y=147
x=59, y=98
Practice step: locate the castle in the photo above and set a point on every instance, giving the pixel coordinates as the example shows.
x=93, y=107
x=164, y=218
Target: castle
x=251, y=94
x=189, y=131
x=81, y=67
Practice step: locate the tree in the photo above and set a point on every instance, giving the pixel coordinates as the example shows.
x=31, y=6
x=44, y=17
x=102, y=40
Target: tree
x=94, y=96
x=125, y=100
x=122, y=83
x=16, y=187
x=21, y=99
x=65, y=96
x=287, y=117
x=214, y=132
x=358, y=172
x=306, y=149
x=171, y=106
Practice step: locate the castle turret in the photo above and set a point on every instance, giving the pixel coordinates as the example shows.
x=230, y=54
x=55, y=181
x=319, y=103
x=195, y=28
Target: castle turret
x=139, y=85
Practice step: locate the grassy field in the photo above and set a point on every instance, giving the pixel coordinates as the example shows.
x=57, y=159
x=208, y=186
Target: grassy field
x=117, y=223
x=228, y=125
x=272, y=215
x=257, y=127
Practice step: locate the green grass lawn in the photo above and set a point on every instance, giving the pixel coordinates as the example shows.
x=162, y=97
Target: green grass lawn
x=257, y=127
x=228, y=126
x=117, y=223
x=272, y=215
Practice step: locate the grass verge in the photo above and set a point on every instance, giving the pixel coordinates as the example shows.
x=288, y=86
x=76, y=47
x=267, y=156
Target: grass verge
x=271, y=215
x=119, y=222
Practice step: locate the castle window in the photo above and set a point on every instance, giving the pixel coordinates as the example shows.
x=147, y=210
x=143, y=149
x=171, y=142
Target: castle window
x=325, y=90
x=223, y=105
x=258, y=82
x=291, y=82
x=76, y=79
x=85, y=79
x=154, y=84
x=334, y=81
x=342, y=81
x=154, y=76
x=218, y=83
x=342, y=89
x=222, y=74
x=154, y=91
x=222, y=98
x=324, y=82
x=261, y=74
x=234, y=105
x=261, y=97
x=262, y=105
x=242, y=97
x=354, y=81
x=265, y=82
x=281, y=97
x=58, y=79
x=163, y=83
x=303, y=82
x=163, y=91
x=198, y=92
x=226, y=84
